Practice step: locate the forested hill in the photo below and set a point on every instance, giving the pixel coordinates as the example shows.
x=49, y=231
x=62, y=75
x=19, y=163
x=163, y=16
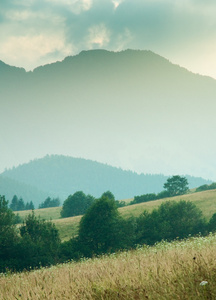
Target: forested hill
x=62, y=176
x=110, y=106
x=10, y=187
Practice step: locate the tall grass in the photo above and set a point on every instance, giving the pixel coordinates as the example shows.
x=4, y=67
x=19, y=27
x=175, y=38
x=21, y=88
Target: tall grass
x=167, y=271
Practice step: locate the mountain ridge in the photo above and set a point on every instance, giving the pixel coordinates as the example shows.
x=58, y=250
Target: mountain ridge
x=63, y=175
x=132, y=108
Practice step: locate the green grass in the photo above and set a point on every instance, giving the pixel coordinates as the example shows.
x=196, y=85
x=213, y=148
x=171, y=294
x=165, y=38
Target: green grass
x=68, y=227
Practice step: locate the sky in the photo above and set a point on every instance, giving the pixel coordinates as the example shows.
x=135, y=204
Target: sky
x=37, y=32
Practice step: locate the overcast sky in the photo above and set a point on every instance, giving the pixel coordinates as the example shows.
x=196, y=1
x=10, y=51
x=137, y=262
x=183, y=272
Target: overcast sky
x=37, y=32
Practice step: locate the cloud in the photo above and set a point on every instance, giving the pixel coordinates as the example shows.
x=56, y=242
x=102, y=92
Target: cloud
x=33, y=49
x=172, y=28
x=99, y=36
x=75, y=6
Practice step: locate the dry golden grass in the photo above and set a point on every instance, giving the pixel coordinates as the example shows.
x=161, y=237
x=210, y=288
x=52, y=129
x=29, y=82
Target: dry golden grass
x=45, y=213
x=68, y=227
x=206, y=201
x=167, y=271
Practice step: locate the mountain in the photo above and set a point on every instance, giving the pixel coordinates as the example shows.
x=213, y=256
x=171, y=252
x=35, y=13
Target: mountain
x=10, y=187
x=133, y=109
x=61, y=176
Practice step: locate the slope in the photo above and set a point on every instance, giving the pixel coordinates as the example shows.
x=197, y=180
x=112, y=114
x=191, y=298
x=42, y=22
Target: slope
x=133, y=109
x=61, y=176
x=68, y=227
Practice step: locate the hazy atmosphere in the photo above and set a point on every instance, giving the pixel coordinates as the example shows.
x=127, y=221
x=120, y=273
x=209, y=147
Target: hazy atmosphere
x=133, y=120
x=37, y=32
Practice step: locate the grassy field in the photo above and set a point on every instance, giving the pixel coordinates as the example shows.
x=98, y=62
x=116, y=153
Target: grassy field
x=168, y=271
x=67, y=227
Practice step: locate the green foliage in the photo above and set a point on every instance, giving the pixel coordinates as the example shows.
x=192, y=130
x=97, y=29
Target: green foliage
x=212, y=223
x=76, y=204
x=176, y=185
x=120, y=203
x=40, y=241
x=29, y=206
x=108, y=194
x=8, y=235
x=17, y=219
x=18, y=204
x=171, y=220
x=206, y=187
x=144, y=198
x=99, y=230
x=48, y=202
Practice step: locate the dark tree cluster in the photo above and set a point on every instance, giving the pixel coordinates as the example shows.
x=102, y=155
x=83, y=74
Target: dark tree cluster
x=76, y=204
x=36, y=243
x=206, y=187
x=48, y=202
x=19, y=204
x=102, y=230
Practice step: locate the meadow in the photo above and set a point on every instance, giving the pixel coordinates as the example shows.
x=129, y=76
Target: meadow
x=68, y=227
x=178, y=270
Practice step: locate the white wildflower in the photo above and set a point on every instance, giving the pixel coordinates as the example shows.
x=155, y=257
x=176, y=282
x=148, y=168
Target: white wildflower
x=203, y=282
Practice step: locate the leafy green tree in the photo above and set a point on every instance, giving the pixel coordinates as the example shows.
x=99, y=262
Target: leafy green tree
x=176, y=185
x=40, y=242
x=8, y=236
x=76, y=204
x=108, y=194
x=171, y=220
x=99, y=230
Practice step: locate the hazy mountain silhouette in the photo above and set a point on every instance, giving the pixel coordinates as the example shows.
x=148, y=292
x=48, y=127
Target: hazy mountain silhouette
x=131, y=108
x=62, y=176
x=10, y=187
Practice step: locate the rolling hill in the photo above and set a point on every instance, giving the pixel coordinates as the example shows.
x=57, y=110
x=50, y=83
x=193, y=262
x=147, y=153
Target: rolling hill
x=61, y=176
x=133, y=109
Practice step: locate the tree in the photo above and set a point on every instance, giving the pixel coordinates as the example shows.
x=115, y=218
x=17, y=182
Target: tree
x=14, y=203
x=48, y=202
x=212, y=223
x=108, y=194
x=40, y=242
x=76, y=204
x=172, y=219
x=21, y=205
x=176, y=185
x=29, y=206
x=8, y=235
x=100, y=228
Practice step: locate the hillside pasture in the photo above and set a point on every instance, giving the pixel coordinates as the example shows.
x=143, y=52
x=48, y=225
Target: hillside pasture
x=68, y=227
x=178, y=270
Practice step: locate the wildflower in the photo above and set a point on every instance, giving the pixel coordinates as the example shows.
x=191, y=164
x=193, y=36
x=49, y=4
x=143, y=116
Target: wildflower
x=203, y=282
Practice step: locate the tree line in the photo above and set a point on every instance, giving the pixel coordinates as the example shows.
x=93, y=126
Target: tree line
x=78, y=203
x=102, y=230
x=18, y=204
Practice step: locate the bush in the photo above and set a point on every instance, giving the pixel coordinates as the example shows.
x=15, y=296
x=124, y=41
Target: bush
x=171, y=220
